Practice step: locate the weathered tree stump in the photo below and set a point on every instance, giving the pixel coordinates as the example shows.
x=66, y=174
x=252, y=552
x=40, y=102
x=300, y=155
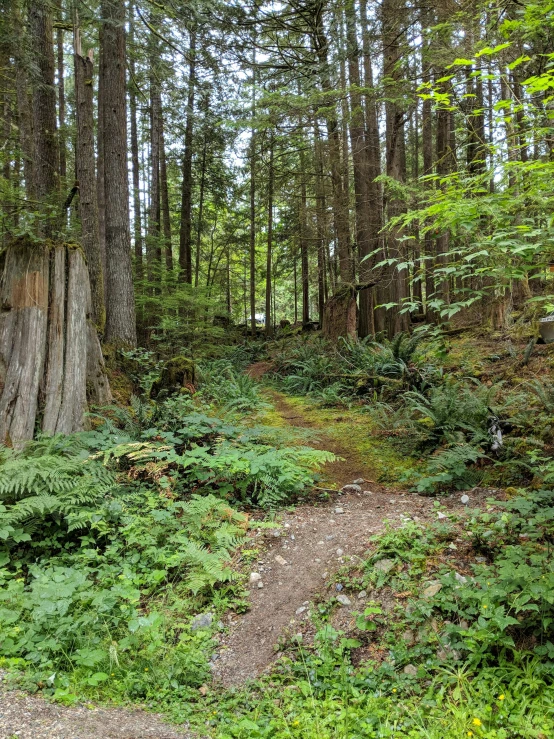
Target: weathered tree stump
x=49, y=350
x=339, y=318
x=177, y=374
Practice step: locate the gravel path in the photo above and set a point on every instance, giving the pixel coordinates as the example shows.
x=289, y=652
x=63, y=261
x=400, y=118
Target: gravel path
x=24, y=716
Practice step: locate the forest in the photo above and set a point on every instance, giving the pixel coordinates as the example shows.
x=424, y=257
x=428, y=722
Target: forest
x=276, y=369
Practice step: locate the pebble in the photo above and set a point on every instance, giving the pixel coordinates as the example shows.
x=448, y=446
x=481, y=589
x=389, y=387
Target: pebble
x=260, y=584
x=339, y=552
x=432, y=590
x=344, y=600
x=359, y=481
x=329, y=537
x=460, y=578
x=324, y=575
x=410, y=670
x=338, y=586
x=368, y=492
x=352, y=488
x=202, y=621
x=441, y=515
x=465, y=499
x=362, y=594
x=280, y=560
x=301, y=610
x=339, y=510
x=384, y=565
x=255, y=577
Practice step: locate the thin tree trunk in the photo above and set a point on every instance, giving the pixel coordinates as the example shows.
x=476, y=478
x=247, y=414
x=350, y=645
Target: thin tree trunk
x=86, y=177
x=120, y=318
x=185, y=235
x=366, y=325
x=268, y=276
x=46, y=150
x=166, y=215
x=200, y=212
x=61, y=103
x=153, y=241
x=137, y=215
x=100, y=161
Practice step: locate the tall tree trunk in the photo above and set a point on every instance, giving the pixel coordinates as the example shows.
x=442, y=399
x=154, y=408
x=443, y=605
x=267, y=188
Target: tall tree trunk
x=362, y=176
x=166, y=214
x=120, y=314
x=153, y=241
x=133, y=110
x=185, y=235
x=61, y=103
x=304, y=244
x=366, y=325
x=200, y=211
x=268, y=275
x=100, y=160
x=395, y=288
x=321, y=224
x=252, y=194
x=340, y=188
x=46, y=150
x=86, y=177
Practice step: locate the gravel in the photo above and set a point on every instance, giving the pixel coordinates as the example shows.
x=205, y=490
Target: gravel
x=32, y=717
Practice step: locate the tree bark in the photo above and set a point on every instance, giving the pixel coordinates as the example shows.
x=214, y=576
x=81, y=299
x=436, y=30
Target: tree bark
x=120, y=317
x=46, y=151
x=153, y=241
x=185, y=235
x=394, y=289
x=23, y=331
x=133, y=113
x=164, y=192
x=86, y=178
x=268, y=276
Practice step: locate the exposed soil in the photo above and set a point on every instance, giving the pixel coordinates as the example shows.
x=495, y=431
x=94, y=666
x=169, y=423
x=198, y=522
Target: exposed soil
x=314, y=542
x=31, y=717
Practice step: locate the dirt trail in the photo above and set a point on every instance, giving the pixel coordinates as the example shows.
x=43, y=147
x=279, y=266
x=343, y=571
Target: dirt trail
x=31, y=717
x=313, y=543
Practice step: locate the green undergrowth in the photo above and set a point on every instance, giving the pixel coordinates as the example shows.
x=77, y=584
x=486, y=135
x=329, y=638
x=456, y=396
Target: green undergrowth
x=121, y=547
x=429, y=652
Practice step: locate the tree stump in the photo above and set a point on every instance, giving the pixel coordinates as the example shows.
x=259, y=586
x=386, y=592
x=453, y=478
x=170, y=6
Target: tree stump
x=339, y=318
x=49, y=351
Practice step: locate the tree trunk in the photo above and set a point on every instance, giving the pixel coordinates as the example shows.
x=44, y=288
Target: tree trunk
x=166, y=215
x=185, y=235
x=61, y=103
x=120, y=318
x=200, y=211
x=86, y=177
x=394, y=289
x=268, y=276
x=137, y=215
x=340, y=188
x=46, y=152
x=153, y=240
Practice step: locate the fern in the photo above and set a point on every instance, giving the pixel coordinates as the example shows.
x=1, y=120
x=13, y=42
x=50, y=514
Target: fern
x=35, y=488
